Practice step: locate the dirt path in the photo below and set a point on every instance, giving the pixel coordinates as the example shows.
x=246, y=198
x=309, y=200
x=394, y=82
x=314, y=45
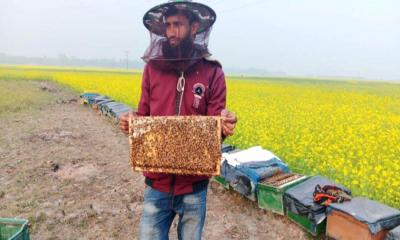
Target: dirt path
x=66, y=169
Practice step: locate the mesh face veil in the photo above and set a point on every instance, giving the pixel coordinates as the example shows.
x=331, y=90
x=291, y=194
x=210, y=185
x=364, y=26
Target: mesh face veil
x=179, y=33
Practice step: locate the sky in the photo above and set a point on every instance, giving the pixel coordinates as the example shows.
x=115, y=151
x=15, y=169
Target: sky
x=359, y=38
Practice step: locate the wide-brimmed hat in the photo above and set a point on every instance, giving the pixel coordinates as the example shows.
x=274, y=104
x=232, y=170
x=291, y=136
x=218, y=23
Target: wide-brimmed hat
x=153, y=20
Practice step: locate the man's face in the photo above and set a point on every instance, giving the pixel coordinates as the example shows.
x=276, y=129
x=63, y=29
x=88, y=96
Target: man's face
x=178, y=28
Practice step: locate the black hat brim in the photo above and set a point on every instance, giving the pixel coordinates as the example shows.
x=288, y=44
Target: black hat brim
x=153, y=19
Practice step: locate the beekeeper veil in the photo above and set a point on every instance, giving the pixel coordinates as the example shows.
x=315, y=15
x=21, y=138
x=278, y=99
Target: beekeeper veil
x=170, y=45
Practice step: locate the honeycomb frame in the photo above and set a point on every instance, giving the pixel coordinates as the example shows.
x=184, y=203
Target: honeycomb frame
x=183, y=145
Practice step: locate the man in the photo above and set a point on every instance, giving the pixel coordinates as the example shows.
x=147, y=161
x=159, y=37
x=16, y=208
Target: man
x=179, y=79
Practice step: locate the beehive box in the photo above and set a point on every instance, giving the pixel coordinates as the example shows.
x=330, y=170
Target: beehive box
x=221, y=181
x=14, y=229
x=360, y=218
x=231, y=175
x=300, y=206
x=301, y=220
x=341, y=226
x=270, y=191
x=185, y=145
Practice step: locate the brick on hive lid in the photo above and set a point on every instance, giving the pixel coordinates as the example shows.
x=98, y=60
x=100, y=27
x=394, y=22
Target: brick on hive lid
x=185, y=145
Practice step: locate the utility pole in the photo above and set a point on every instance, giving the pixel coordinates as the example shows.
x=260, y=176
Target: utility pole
x=127, y=59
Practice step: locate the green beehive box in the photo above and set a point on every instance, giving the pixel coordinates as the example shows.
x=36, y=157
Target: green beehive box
x=303, y=221
x=270, y=197
x=301, y=208
x=14, y=229
x=221, y=181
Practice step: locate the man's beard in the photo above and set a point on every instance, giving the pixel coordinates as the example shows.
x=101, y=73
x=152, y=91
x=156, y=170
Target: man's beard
x=184, y=50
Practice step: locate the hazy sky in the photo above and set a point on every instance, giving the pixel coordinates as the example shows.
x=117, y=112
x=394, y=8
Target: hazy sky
x=299, y=37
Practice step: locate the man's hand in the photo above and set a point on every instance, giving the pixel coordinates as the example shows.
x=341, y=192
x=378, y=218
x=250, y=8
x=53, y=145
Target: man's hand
x=229, y=120
x=124, y=122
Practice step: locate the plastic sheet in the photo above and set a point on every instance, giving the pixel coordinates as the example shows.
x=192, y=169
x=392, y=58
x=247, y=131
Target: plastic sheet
x=394, y=234
x=299, y=199
x=227, y=148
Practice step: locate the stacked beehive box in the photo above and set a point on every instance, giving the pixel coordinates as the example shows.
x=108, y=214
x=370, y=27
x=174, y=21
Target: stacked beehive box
x=186, y=145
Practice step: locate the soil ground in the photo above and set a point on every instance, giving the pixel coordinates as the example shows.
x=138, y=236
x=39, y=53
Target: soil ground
x=66, y=169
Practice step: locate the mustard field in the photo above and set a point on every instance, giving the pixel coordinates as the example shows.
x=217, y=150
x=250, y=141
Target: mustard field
x=348, y=131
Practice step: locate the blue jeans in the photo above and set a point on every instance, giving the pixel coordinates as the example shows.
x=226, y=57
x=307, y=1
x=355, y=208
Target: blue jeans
x=160, y=209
